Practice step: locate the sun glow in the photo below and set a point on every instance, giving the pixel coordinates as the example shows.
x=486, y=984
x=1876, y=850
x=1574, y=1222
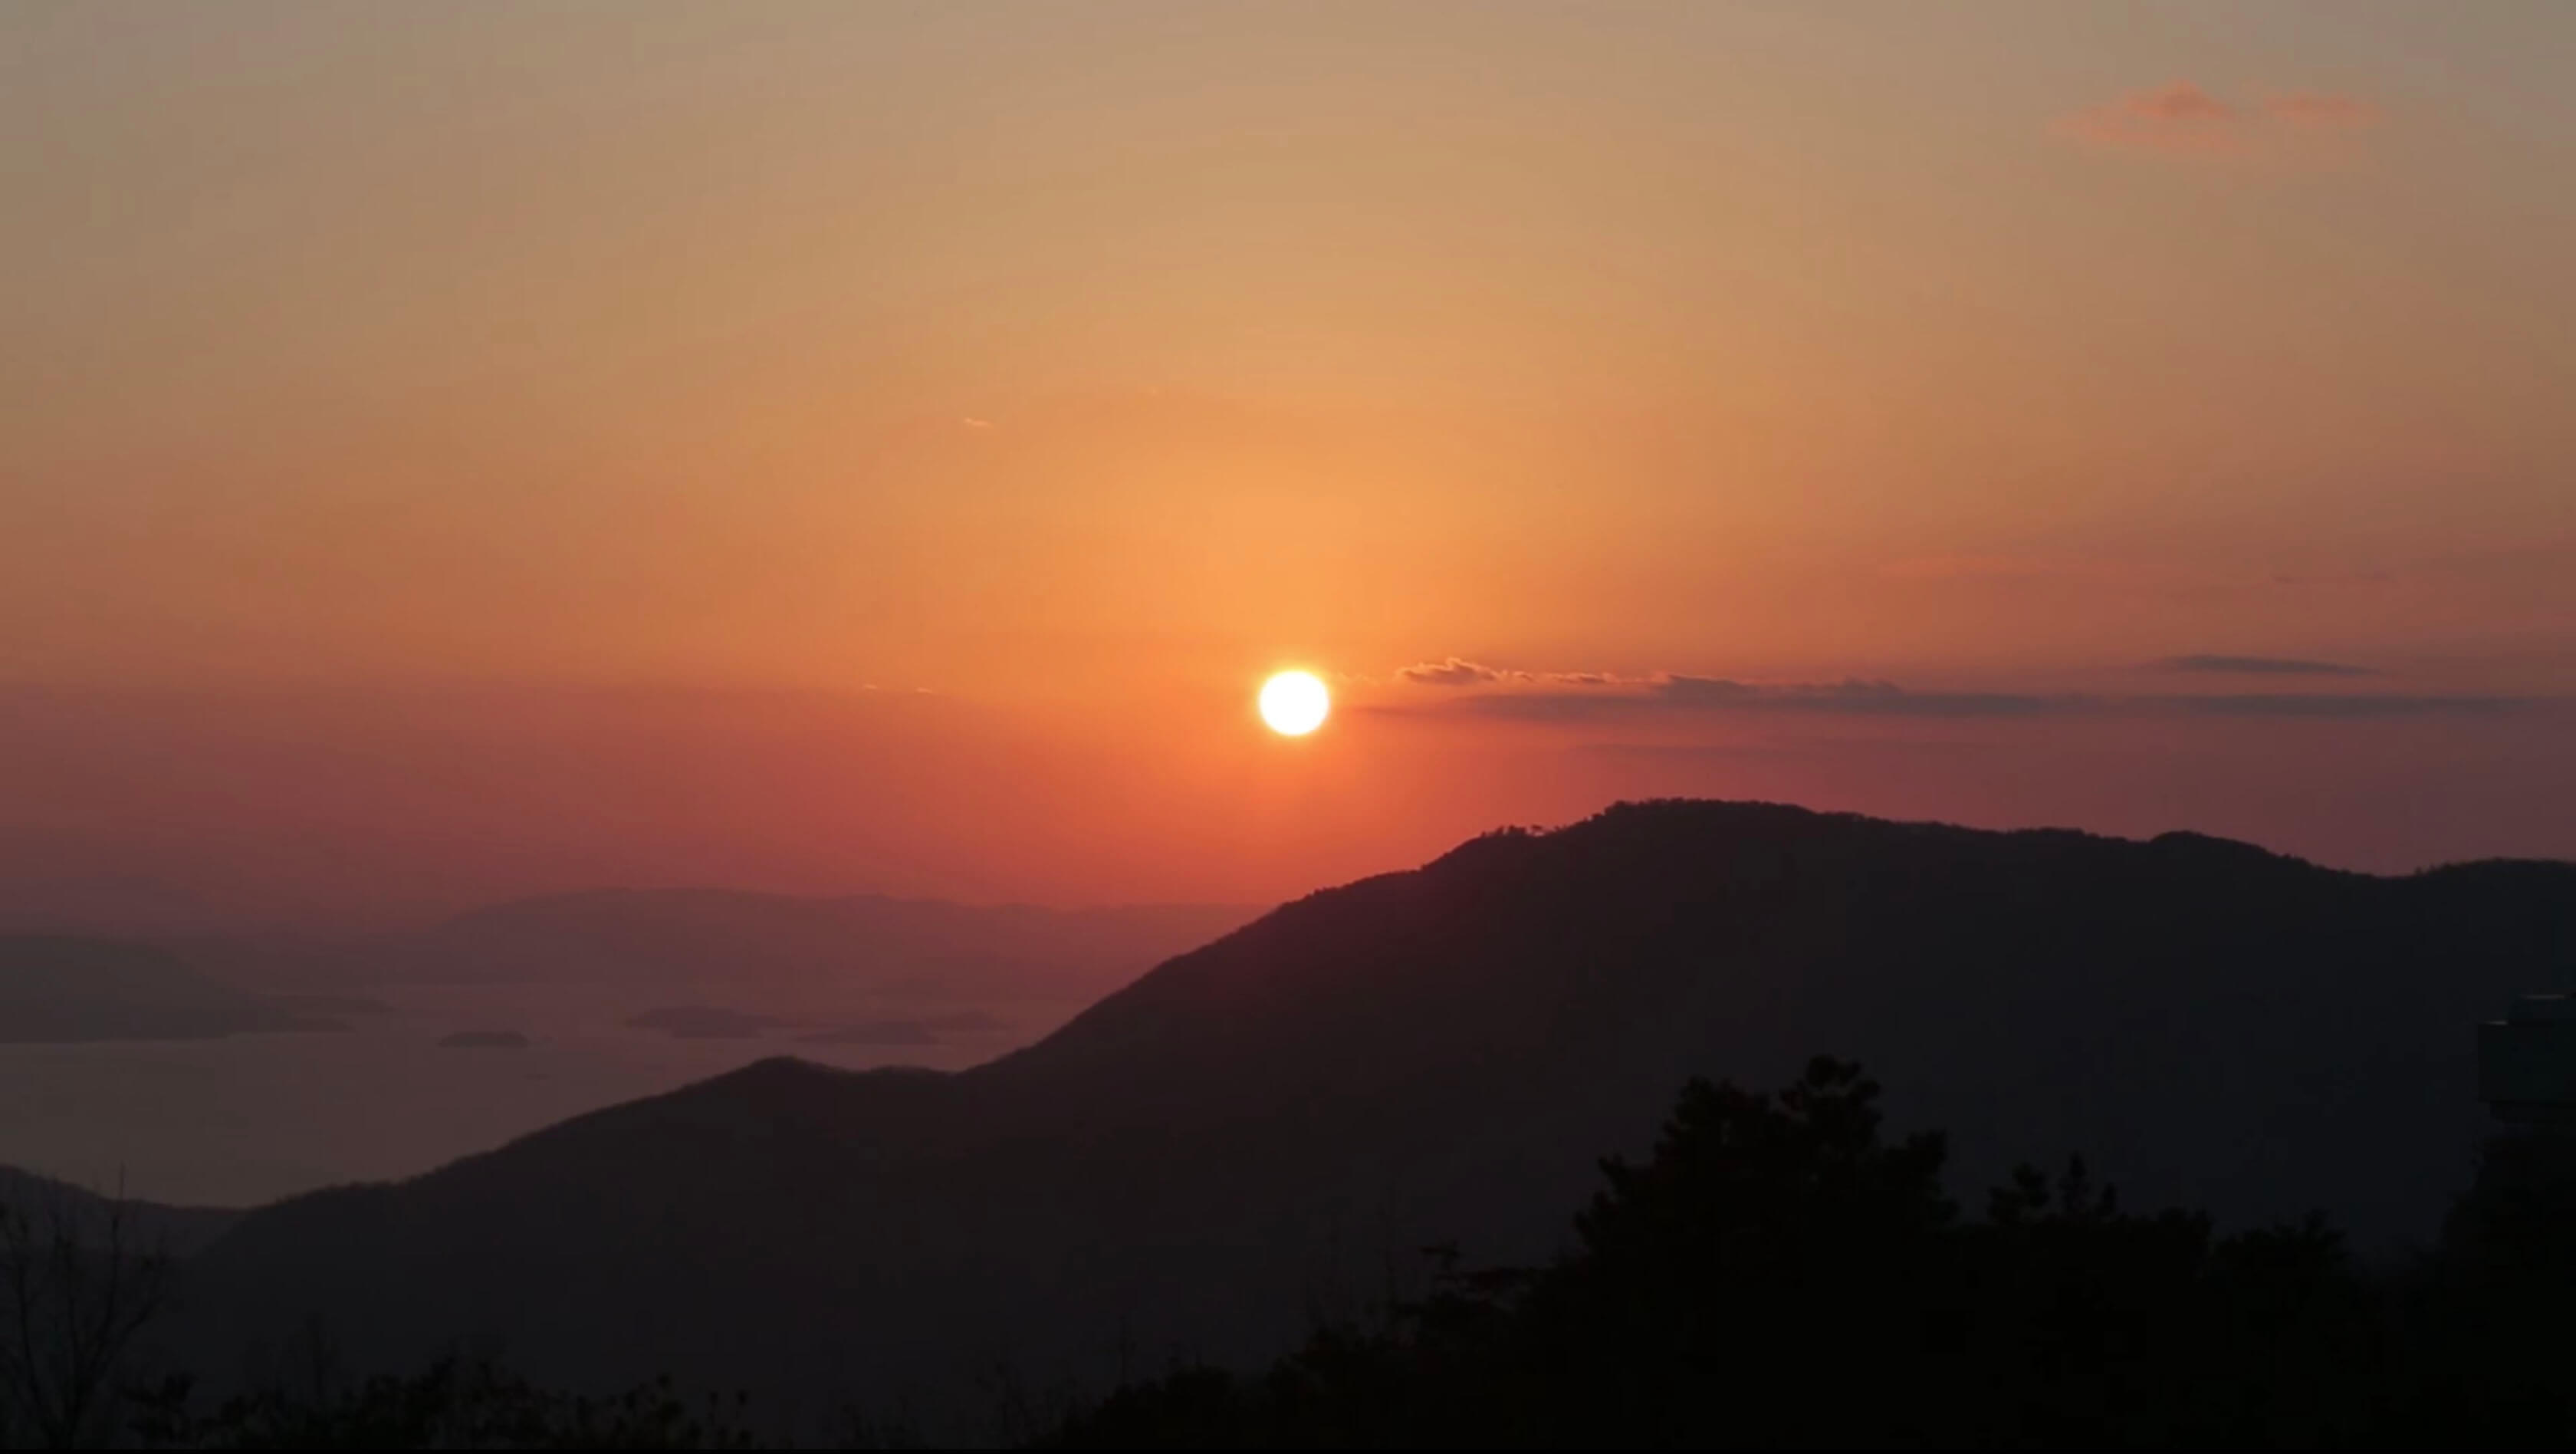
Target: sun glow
x=1295, y=703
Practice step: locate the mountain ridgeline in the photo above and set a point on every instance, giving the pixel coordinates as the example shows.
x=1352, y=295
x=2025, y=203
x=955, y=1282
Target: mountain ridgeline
x=1251, y=1135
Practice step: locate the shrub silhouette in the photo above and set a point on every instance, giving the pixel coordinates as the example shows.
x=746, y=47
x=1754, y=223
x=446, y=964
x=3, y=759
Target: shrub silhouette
x=453, y=1404
x=1781, y=1273
x=78, y=1284
x=1778, y=1272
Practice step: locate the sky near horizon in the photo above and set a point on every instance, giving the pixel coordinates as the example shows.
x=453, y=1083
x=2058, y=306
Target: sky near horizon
x=455, y=451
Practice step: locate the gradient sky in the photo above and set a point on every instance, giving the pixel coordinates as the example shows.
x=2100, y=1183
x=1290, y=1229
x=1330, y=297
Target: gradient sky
x=452, y=451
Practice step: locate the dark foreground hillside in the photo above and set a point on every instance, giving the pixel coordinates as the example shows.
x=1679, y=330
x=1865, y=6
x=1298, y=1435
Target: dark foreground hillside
x=1255, y=1132
x=1779, y=1274
x=84, y=1216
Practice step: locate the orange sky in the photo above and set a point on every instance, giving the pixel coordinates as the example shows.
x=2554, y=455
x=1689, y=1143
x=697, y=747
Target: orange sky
x=455, y=451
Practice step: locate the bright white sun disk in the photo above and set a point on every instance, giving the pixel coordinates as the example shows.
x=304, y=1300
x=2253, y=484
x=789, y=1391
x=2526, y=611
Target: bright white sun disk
x=1295, y=703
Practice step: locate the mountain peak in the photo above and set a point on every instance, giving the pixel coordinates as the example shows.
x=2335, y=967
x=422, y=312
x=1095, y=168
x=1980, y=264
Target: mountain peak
x=1442, y=1055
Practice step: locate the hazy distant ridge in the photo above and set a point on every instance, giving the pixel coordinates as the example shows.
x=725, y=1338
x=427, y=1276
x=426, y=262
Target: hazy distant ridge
x=1441, y=1054
x=729, y=940
x=56, y=988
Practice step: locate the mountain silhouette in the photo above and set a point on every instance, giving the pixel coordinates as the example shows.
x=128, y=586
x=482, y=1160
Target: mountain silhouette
x=50, y=1207
x=1257, y=1130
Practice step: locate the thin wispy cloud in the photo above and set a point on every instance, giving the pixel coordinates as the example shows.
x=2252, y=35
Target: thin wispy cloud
x=1453, y=672
x=2346, y=704
x=1459, y=672
x=1675, y=693
x=2182, y=119
x=2177, y=117
x=1608, y=698
x=2261, y=666
x=2180, y=101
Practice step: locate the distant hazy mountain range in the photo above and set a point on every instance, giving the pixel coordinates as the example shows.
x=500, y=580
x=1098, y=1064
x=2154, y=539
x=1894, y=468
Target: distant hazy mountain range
x=759, y=945
x=54, y=988
x=1266, y=1125
x=767, y=950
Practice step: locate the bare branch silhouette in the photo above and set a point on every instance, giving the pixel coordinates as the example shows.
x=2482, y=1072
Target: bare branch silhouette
x=76, y=1289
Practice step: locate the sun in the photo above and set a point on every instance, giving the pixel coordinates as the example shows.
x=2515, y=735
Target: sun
x=1295, y=703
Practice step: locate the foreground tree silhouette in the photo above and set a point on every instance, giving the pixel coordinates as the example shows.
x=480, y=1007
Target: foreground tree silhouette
x=75, y=1291
x=453, y=1404
x=1780, y=1273
x=1724, y=1290
x=1770, y=1243
x=2492, y=1323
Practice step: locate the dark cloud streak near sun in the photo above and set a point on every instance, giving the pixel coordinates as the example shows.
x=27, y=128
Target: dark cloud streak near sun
x=1513, y=695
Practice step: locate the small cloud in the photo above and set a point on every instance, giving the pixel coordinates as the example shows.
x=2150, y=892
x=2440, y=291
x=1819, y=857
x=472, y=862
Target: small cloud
x=2177, y=101
x=2175, y=117
x=1526, y=697
x=971, y=422
x=1460, y=672
x=1671, y=692
x=2321, y=109
x=1454, y=672
x=2181, y=118
x=2268, y=666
